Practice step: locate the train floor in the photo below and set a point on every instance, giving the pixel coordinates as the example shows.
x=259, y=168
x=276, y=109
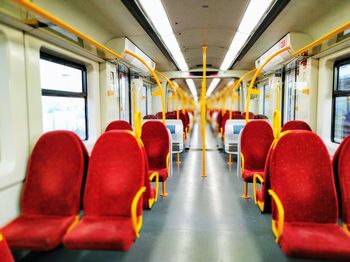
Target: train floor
x=202, y=219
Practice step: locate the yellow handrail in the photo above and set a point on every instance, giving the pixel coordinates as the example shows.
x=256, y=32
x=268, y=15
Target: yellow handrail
x=161, y=93
x=322, y=38
x=278, y=231
x=257, y=73
x=203, y=113
x=174, y=88
x=136, y=220
x=235, y=87
x=48, y=16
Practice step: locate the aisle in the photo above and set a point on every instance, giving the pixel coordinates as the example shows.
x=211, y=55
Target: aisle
x=202, y=219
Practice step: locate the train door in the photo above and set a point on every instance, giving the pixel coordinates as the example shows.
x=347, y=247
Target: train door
x=124, y=93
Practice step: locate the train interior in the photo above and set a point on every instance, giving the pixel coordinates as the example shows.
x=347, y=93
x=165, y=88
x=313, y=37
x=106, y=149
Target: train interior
x=189, y=130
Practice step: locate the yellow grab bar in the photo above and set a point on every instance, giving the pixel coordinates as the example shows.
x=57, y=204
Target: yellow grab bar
x=39, y=11
x=257, y=73
x=161, y=93
x=278, y=231
x=136, y=220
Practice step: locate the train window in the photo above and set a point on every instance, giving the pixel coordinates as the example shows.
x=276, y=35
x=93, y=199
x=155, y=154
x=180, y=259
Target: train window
x=64, y=95
x=341, y=101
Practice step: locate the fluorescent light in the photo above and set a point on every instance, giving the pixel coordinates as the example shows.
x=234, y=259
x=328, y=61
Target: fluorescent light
x=212, y=86
x=193, y=88
x=156, y=13
x=255, y=11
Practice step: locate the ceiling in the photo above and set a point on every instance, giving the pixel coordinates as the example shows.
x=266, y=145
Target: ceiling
x=204, y=22
x=113, y=17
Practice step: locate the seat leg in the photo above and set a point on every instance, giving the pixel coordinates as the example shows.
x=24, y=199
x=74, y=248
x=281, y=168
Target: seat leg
x=178, y=161
x=245, y=191
x=229, y=159
x=164, y=193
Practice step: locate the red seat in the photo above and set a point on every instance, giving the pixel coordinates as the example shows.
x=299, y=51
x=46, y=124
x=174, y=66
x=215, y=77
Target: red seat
x=260, y=116
x=170, y=115
x=114, y=187
x=51, y=194
x=150, y=117
x=256, y=139
x=118, y=125
x=224, y=119
x=296, y=125
x=305, y=210
x=341, y=167
x=5, y=253
x=251, y=115
x=156, y=140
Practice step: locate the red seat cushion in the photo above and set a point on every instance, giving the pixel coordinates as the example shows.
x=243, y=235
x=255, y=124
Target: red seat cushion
x=37, y=232
x=249, y=174
x=118, y=125
x=5, y=253
x=315, y=240
x=103, y=233
x=163, y=174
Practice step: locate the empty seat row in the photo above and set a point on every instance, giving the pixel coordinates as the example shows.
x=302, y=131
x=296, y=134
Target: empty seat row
x=112, y=197
x=299, y=178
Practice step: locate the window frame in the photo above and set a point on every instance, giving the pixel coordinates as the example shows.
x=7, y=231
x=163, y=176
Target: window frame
x=337, y=93
x=60, y=93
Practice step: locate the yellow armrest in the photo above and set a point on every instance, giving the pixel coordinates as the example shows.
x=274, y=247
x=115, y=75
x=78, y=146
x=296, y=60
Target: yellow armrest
x=168, y=163
x=156, y=175
x=242, y=162
x=278, y=231
x=136, y=221
x=346, y=229
x=261, y=180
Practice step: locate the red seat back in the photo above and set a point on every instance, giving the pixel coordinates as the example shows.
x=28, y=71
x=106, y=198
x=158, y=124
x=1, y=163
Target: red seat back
x=341, y=168
x=302, y=177
x=256, y=139
x=116, y=172
x=251, y=115
x=54, y=175
x=159, y=115
x=170, y=115
x=260, y=116
x=156, y=140
x=150, y=117
x=296, y=125
x=224, y=119
x=118, y=125
x=185, y=120
x=5, y=253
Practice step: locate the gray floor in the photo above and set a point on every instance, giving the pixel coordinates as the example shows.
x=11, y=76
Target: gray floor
x=202, y=219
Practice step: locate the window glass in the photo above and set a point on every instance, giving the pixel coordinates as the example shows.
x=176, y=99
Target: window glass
x=344, y=77
x=55, y=76
x=341, y=102
x=341, y=118
x=64, y=96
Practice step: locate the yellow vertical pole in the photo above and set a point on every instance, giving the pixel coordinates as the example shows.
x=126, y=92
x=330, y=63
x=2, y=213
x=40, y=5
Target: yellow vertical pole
x=203, y=113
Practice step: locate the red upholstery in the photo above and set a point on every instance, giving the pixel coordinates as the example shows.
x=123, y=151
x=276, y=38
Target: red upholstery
x=296, y=125
x=301, y=175
x=251, y=115
x=156, y=141
x=159, y=115
x=116, y=173
x=163, y=173
x=256, y=139
x=150, y=192
x=218, y=121
x=262, y=194
x=51, y=194
x=224, y=118
x=185, y=120
x=150, y=117
x=170, y=115
x=313, y=240
x=260, y=116
x=237, y=116
x=5, y=253
x=341, y=167
x=118, y=125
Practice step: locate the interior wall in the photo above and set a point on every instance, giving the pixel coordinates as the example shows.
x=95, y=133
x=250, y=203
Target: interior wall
x=14, y=145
